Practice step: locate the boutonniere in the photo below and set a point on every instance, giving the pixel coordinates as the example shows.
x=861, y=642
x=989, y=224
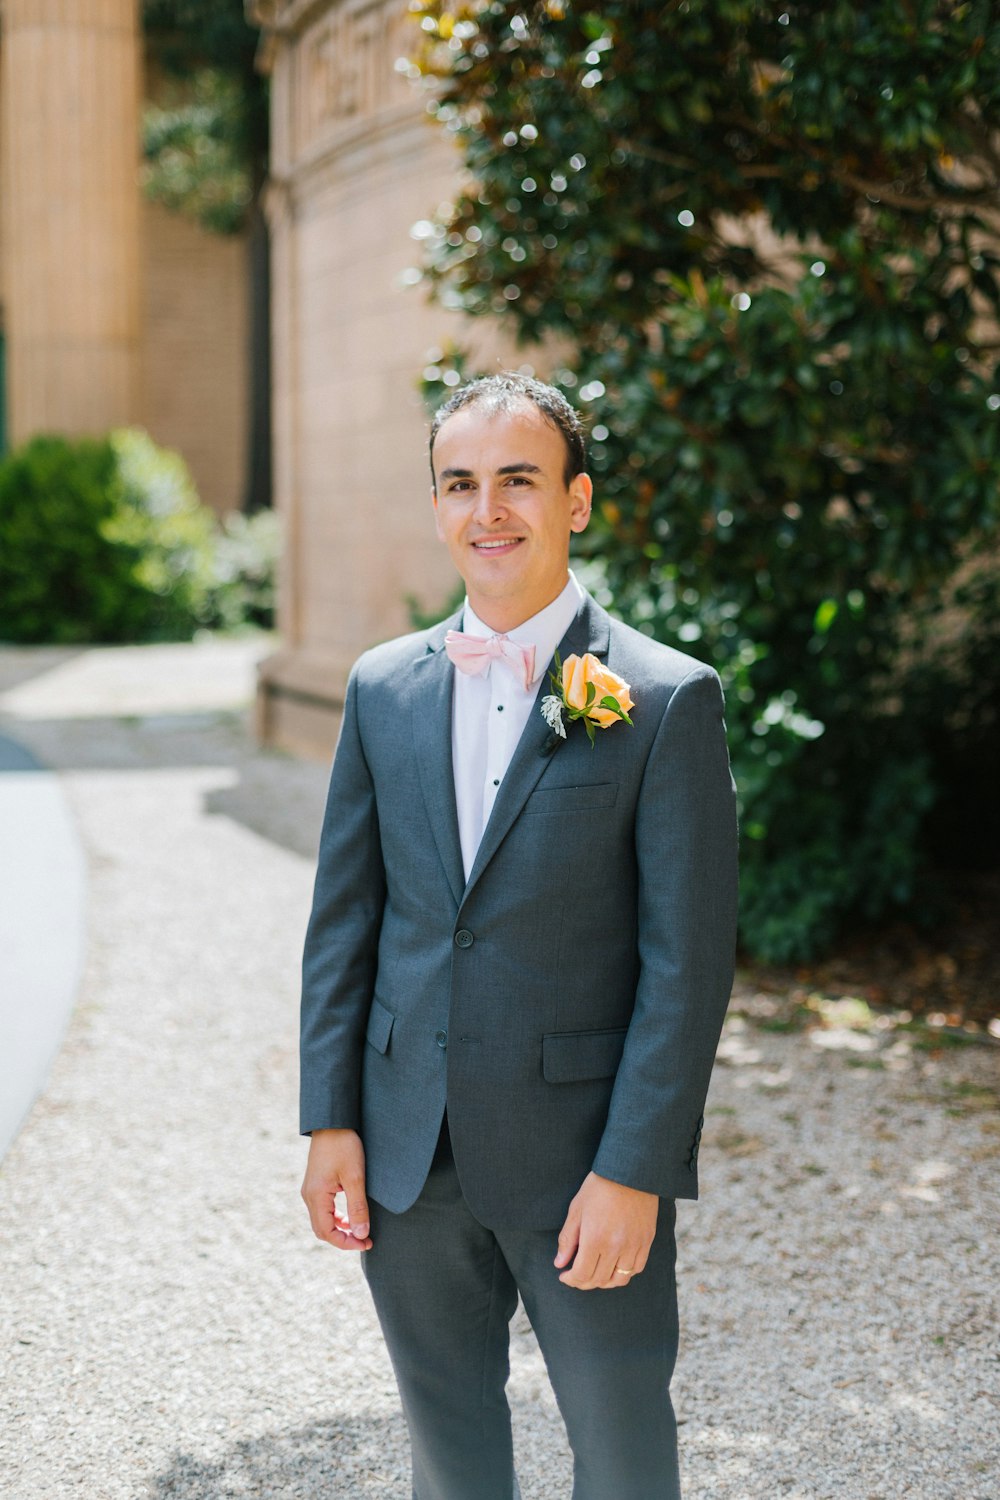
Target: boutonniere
x=584, y=688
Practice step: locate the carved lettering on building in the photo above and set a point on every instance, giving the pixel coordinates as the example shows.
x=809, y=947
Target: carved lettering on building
x=348, y=63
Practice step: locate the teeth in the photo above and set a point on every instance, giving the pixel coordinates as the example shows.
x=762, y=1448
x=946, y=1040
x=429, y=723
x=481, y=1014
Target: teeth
x=491, y=546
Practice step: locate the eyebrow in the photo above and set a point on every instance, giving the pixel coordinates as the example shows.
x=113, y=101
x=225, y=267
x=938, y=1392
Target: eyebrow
x=518, y=468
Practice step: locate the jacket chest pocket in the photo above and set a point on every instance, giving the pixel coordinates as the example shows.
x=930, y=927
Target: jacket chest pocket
x=583, y=798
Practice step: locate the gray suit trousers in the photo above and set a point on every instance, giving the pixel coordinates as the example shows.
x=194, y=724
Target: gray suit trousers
x=445, y=1288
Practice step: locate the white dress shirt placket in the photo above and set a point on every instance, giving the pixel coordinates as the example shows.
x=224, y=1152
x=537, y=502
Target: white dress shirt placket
x=503, y=729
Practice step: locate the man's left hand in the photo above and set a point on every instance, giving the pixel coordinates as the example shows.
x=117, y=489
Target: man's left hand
x=607, y=1234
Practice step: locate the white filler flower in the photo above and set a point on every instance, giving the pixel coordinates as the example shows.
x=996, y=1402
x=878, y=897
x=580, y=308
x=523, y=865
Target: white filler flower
x=552, y=713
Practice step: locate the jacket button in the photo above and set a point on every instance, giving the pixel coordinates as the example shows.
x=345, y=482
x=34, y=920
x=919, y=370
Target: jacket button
x=441, y=1037
x=464, y=938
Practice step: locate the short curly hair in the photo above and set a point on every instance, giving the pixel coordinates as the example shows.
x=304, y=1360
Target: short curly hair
x=503, y=393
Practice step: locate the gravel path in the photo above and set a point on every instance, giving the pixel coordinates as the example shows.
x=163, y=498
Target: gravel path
x=169, y=1327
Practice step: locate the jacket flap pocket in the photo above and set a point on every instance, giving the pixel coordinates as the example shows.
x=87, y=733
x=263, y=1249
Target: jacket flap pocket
x=571, y=1056
x=379, y=1026
x=572, y=799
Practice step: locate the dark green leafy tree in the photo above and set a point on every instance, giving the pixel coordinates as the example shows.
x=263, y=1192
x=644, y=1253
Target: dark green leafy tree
x=763, y=240
x=206, y=149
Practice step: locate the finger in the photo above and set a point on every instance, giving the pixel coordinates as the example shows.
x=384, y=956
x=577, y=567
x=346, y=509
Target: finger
x=635, y=1257
x=322, y=1212
x=569, y=1237
x=357, y=1210
x=606, y=1275
x=582, y=1272
x=343, y=1239
x=330, y=1227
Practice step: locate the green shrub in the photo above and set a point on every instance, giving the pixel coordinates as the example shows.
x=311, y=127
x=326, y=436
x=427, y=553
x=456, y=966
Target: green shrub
x=106, y=540
x=161, y=519
x=62, y=579
x=244, y=570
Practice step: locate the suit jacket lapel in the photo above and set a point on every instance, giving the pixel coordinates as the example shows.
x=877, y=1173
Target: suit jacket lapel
x=431, y=707
x=590, y=631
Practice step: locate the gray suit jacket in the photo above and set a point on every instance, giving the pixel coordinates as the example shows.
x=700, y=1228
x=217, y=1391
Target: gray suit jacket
x=567, y=999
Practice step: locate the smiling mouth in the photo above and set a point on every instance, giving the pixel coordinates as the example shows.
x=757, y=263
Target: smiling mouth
x=504, y=544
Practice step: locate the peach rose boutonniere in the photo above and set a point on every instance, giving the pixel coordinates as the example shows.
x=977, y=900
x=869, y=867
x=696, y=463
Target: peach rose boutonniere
x=584, y=688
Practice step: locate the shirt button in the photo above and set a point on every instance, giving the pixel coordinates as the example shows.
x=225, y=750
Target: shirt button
x=496, y=781
x=441, y=1037
x=499, y=708
x=464, y=938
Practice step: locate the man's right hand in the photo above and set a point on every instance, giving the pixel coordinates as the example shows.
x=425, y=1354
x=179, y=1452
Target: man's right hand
x=337, y=1165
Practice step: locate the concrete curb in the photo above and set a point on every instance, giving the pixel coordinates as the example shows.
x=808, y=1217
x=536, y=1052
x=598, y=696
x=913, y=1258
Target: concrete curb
x=42, y=902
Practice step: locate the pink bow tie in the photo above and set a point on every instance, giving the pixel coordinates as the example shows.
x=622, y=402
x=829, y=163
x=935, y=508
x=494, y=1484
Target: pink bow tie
x=474, y=653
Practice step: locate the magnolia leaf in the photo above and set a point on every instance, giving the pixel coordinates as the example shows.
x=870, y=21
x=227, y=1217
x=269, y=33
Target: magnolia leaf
x=825, y=616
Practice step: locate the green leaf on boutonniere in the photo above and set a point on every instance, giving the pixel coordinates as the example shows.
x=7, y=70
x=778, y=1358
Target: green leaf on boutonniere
x=615, y=707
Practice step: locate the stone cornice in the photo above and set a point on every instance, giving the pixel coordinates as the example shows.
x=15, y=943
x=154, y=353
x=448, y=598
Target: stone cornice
x=287, y=18
x=347, y=152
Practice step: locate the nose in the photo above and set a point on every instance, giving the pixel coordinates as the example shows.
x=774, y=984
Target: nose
x=490, y=504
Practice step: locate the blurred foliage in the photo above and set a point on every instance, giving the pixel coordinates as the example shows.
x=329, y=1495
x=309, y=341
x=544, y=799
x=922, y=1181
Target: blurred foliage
x=769, y=236
x=206, y=138
x=106, y=540
x=245, y=565
x=194, y=162
x=422, y=618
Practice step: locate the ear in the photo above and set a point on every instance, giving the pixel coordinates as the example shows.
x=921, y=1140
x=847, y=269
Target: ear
x=437, y=514
x=581, y=491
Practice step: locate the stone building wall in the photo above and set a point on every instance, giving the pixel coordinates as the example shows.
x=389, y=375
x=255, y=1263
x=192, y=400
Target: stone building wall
x=355, y=162
x=193, y=350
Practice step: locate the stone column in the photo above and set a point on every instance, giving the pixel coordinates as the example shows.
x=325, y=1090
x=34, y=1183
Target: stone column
x=69, y=134
x=354, y=163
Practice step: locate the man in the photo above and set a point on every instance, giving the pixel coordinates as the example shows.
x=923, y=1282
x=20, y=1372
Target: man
x=516, y=969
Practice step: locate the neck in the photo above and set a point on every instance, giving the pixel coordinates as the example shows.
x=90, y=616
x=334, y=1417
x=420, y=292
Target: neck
x=505, y=615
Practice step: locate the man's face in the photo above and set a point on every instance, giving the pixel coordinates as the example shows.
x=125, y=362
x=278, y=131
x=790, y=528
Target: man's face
x=504, y=511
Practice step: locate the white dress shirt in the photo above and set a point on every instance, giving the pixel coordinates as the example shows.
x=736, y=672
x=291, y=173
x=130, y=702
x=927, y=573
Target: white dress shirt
x=490, y=712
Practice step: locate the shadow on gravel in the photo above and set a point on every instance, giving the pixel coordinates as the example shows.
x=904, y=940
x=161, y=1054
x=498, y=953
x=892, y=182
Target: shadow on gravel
x=279, y=798
x=135, y=741
x=26, y=663
x=364, y=1456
